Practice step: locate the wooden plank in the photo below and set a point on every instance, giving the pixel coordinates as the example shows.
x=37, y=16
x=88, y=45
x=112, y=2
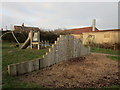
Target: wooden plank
x=31, y=36
x=41, y=64
x=12, y=70
x=30, y=66
x=53, y=55
x=20, y=68
x=45, y=61
x=35, y=64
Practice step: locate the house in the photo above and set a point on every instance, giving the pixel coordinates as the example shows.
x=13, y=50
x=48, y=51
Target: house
x=78, y=32
x=91, y=34
x=84, y=29
x=25, y=28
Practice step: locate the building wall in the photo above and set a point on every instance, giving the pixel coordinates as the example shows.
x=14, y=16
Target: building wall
x=78, y=36
x=102, y=37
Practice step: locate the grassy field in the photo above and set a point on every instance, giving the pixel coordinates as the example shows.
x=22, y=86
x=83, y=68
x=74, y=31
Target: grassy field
x=12, y=54
x=106, y=51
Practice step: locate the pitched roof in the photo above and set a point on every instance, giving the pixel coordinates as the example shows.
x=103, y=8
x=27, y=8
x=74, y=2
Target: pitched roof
x=21, y=28
x=80, y=30
x=108, y=30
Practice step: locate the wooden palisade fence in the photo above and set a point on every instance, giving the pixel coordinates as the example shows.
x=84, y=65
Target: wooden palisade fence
x=65, y=48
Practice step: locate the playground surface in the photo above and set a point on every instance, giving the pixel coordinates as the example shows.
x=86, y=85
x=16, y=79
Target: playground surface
x=90, y=71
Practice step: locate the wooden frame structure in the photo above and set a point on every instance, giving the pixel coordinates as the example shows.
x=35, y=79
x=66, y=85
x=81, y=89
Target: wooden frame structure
x=35, y=39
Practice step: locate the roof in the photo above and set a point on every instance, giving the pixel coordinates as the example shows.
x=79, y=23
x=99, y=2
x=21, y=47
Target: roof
x=112, y=30
x=24, y=28
x=80, y=30
x=108, y=30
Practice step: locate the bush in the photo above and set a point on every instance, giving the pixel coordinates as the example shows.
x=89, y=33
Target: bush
x=48, y=36
x=22, y=36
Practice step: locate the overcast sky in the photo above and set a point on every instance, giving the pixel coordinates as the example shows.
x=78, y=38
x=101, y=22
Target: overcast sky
x=53, y=15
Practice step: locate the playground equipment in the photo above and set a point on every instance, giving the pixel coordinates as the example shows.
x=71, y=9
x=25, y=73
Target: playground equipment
x=33, y=39
x=12, y=32
x=90, y=40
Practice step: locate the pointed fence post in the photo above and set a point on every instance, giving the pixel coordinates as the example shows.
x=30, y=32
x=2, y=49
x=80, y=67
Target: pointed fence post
x=38, y=40
x=45, y=44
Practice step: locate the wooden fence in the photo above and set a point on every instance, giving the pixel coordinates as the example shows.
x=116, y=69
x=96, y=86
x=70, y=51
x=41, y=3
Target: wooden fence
x=65, y=48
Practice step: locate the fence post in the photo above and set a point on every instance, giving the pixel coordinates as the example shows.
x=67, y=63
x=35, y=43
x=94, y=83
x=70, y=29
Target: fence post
x=31, y=36
x=89, y=49
x=38, y=40
x=45, y=44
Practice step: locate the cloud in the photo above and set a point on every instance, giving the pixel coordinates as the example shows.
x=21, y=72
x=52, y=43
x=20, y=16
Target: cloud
x=51, y=15
x=59, y=1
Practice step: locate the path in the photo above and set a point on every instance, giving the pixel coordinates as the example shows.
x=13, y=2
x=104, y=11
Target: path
x=105, y=54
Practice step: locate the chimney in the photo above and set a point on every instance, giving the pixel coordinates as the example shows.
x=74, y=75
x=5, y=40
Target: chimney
x=6, y=28
x=23, y=25
x=93, y=24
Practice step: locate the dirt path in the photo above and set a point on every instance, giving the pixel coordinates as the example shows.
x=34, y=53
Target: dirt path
x=91, y=71
x=105, y=54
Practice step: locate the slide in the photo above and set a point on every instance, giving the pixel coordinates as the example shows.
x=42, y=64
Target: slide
x=26, y=43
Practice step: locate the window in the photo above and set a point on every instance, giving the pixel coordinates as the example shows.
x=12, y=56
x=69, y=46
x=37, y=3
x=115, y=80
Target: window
x=107, y=35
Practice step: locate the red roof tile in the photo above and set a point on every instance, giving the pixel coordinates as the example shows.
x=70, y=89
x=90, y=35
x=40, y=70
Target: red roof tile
x=80, y=30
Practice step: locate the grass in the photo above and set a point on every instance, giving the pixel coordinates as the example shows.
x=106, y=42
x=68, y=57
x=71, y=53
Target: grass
x=15, y=55
x=114, y=87
x=12, y=54
x=114, y=58
x=13, y=82
x=106, y=51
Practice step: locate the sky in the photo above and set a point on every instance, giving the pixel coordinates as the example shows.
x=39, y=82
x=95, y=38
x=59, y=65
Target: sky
x=64, y=15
